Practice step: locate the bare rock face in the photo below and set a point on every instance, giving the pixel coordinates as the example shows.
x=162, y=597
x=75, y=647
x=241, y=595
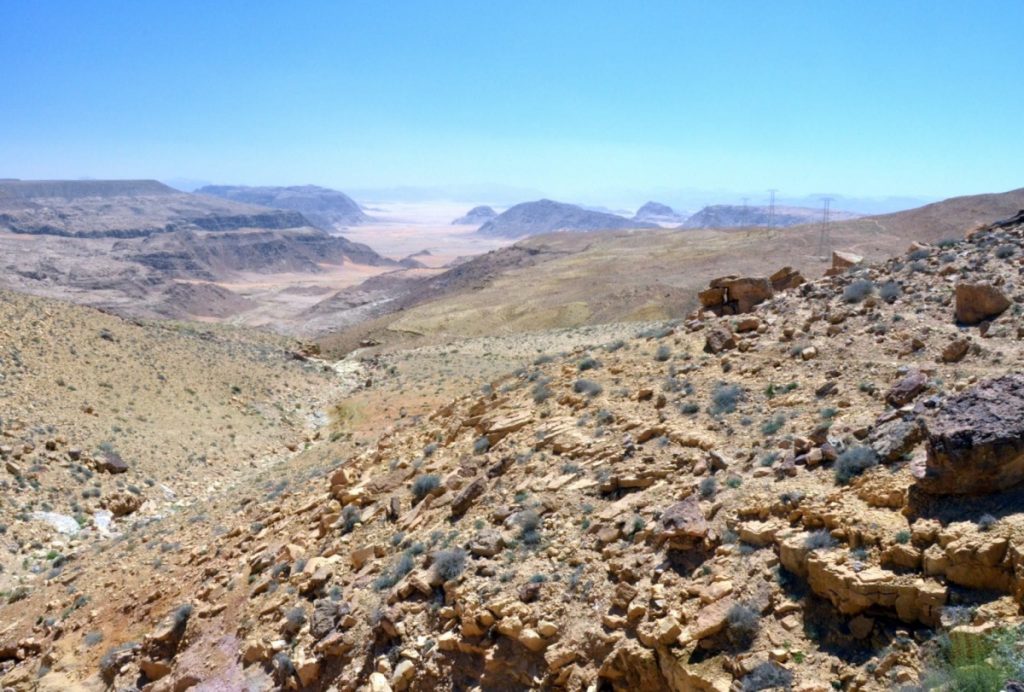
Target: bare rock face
x=976, y=440
x=977, y=302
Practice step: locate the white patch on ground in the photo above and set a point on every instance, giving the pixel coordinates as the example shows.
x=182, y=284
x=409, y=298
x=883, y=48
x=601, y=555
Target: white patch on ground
x=62, y=522
x=103, y=519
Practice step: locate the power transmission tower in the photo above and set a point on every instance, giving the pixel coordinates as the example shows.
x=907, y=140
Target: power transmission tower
x=825, y=238
x=771, y=209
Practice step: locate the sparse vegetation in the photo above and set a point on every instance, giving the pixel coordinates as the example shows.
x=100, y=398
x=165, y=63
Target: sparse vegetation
x=724, y=398
x=820, y=540
x=424, y=485
x=858, y=290
x=854, y=462
x=449, y=564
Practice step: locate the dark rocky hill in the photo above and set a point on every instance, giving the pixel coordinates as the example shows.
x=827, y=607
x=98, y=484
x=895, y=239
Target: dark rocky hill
x=476, y=216
x=547, y=216
x=654, y=212
x=737, y=216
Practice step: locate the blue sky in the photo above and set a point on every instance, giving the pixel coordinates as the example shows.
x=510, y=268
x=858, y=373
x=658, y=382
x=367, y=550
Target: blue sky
x=588, y=101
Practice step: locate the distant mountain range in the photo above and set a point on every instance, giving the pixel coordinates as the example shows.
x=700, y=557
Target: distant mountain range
x=547, y=216
x=328, y=209
x=738, y=216
x=475, y=216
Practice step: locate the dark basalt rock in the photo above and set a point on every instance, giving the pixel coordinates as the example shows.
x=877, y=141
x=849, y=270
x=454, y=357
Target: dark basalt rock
x=975, y=441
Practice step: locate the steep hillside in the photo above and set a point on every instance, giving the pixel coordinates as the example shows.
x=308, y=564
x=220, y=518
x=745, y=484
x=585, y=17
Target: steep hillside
x=546, y=216
x=103, y=417
x=948, y=219
x=822, y=493
x=327, y=209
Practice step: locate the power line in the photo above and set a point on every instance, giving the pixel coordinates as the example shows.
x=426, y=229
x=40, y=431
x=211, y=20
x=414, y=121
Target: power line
x=825, y=237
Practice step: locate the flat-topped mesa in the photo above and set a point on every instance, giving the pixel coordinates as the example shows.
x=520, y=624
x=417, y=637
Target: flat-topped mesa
x=77, y=189
x=733, y=295
x=975, y=441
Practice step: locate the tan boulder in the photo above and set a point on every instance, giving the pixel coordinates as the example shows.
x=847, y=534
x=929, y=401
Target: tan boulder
x=976, y=302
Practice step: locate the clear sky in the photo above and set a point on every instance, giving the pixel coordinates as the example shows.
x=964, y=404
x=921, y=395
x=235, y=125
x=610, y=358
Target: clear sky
x=573, y=99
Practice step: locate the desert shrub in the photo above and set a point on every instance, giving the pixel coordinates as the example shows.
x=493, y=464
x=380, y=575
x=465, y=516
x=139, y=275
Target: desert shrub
x=918, y=267
x=733, y=482
x=401, y=567
x=921, y=254
x=614, y=346
x=1005, y=251
x=903, y=537
x=93, y=638
x=541, y=392
x=449, y=564
x=662, y=354
x=424, y=485
x=181, y=616
x=742, y=624
x=350, y=516
x=890, y=291
x=481, y=445
x=768, y=676
x=947, y=242
x=294, y=619
x=689, y=408
x=791, y=497
x=773, y=424
x=724, y=398
x=542, y=360
x=854, y=462
x=819, y=540
x=769, y=459
x=429, y=450
x=986, y=522
x=708, y=487
x=947, y=257
x=529, y=527
x=589, y=363
x=858, y=290
x=588, y=387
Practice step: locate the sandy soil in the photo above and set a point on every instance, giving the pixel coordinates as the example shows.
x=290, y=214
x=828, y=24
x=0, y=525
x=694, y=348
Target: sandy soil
x=403, y=229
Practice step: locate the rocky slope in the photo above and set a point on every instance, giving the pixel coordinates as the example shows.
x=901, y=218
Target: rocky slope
x=546, y=216
x=327, y=209
x=754, y=501
x=661, y=214
x=475, y=216
x=738, y=216
x=129, y=245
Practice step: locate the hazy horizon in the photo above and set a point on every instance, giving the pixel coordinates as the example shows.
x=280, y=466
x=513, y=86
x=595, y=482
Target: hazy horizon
x=686, y=104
